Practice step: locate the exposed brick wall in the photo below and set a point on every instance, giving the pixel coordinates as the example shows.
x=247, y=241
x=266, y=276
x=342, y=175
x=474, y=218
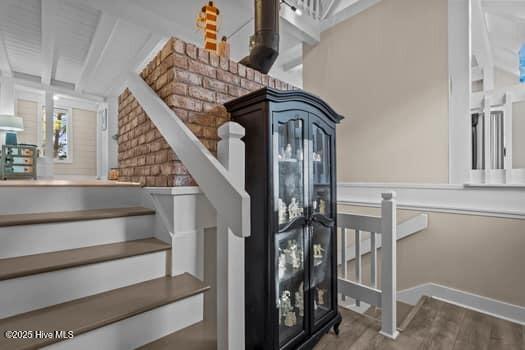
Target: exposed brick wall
x=194, y=84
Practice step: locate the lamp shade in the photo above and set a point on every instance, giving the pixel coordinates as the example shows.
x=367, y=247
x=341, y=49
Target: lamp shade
x=11, y=123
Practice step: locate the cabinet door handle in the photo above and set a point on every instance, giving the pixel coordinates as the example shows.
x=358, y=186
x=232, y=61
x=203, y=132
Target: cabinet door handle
x=323, y=220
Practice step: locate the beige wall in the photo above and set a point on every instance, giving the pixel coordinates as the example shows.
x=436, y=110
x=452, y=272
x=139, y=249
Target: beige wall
x=481, y=255
x=386, y=70
x=84, y=130
x=28, y=111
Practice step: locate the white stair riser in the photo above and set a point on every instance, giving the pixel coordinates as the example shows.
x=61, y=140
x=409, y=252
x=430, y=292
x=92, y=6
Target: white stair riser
x=44, y=199
x=33, y=292
x=140, y=329
x=43, y=238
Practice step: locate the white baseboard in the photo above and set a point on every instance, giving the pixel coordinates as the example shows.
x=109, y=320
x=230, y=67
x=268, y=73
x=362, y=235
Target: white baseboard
x=467, y=300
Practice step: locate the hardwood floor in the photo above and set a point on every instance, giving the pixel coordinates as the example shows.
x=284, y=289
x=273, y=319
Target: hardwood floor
x=436, y=325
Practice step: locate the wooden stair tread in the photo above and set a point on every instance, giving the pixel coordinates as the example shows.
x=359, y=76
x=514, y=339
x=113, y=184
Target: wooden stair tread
x=199, y=336
x=67, y=183
x=46, y=262
x=67, y=216
x=95, y=311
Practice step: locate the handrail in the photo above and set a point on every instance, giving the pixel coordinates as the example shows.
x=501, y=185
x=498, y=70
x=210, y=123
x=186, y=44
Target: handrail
x=407, y=228
x=229, y=199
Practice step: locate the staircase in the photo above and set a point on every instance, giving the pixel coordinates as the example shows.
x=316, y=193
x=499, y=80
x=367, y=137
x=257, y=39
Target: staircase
x=83, y=267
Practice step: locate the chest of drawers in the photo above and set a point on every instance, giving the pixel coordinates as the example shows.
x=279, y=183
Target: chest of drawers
x=18, y=161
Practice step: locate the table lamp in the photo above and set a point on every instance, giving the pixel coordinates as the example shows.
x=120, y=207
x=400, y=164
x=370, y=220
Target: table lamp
x=9, y=125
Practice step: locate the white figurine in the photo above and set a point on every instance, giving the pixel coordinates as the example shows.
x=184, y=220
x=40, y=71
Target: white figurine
x=299, y=300
x=318, y=251
x=294, y=210
x=282, y=211
x=293, y=256
x=320, y=296
x=314, y=206
x=288, y=152
x=285, y=303
x=322, y=206
x=282, y=263
x=290, y=320
x=280, y=156
x=316, y=157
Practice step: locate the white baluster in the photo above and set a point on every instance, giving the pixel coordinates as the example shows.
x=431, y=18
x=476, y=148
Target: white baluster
x=344, y=258
x=373, y=260
x=358, y=260
x=389, y=266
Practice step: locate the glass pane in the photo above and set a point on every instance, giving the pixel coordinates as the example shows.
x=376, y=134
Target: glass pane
x=290, y=180
x=321, y=270
x=61, y=137
x=321, y=171
x=289, y=253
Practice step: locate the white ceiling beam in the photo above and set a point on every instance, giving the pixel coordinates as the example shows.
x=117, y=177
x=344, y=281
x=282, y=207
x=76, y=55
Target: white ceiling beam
x=35, y=83
x=507, y=13
x=510, y=4
x=344, y=10
x=49, y=32
x=326, y=11
x=293, y=63
x=105, y=29
x=304, y=28
x=140, y=16
x=291, y=57
x=481, y=46
x=5, y=66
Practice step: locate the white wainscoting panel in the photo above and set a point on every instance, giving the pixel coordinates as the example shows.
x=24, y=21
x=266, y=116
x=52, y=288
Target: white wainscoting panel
x=458, y=199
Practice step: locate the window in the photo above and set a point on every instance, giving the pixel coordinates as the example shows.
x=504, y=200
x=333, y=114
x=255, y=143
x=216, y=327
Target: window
x=61, y=133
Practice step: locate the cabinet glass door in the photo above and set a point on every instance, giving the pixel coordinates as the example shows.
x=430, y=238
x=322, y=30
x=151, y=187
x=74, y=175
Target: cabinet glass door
x=290, y=237
x=322, y=222
x=321, y=169
x=322, y=274
x=290, y=284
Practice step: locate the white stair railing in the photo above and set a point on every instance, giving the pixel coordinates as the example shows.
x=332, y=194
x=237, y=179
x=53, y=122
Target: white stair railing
x=384, y=232
x=222, y=182
x=386, y=226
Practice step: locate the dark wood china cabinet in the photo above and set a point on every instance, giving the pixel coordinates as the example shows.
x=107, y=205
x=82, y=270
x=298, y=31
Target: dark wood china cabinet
x=291, y=256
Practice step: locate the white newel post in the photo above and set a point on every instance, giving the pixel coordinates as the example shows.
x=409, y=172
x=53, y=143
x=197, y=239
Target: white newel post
x=389, y=265
x=230, y=249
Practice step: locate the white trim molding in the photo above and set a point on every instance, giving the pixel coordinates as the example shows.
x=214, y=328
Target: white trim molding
x=489, y=306
x=458, y=199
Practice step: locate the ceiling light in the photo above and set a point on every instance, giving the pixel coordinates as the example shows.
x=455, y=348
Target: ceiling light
x=55, y=98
